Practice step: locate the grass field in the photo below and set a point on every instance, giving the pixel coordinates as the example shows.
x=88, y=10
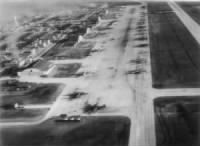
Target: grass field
x=177, y=121
x=174, y=52
x=25, y=115
x=41, y=94
x=193, y=9
x=91, y=131
x=65, y=70
x=15, y=87
x=25, y=93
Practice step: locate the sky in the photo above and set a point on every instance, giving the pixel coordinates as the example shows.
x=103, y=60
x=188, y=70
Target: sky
x=70, y=0
x=11, y=7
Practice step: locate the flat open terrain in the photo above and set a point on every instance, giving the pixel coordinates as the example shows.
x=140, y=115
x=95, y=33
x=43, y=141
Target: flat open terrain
x=177, y=120
x=24, y=93
x=174, y=52
x=91, y=131
x=193, y=9
x=40, y=94
x=65, y=70
x=20, y=115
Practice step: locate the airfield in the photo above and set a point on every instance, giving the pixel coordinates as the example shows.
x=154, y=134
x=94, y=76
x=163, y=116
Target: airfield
x=109, y=74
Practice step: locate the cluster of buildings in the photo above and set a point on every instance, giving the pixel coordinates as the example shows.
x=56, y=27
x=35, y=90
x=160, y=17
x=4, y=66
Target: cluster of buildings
x=51, y=31
x=41, y=69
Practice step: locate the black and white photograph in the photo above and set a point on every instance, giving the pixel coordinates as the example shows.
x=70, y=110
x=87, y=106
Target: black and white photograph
x=99, y=72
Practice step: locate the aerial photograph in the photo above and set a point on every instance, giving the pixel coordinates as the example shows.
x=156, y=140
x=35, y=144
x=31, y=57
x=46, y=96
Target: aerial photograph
x=99, y=73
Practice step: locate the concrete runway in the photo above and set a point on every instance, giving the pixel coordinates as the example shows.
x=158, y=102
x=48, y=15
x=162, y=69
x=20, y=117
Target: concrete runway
x=133, y=91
